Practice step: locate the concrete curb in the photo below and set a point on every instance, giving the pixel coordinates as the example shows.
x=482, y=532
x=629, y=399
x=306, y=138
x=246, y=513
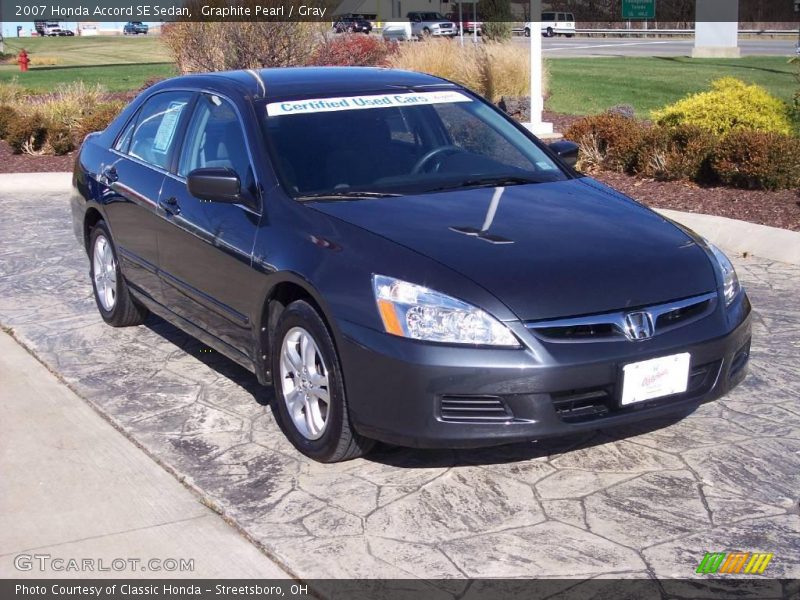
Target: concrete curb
x=738, y=237
x=35, y=182
x=741, y=237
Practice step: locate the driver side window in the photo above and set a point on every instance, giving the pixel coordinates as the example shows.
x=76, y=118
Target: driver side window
x=214, y=139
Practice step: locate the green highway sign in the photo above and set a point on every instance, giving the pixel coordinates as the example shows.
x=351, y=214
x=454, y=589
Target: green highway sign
x=638, y=9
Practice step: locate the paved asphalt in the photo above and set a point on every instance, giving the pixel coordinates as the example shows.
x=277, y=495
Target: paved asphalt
x=593, y=46
x=639, y=502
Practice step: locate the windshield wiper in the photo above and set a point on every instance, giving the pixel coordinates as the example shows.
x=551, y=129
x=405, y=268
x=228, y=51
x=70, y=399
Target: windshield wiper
x=501, y=180
x=342, y=194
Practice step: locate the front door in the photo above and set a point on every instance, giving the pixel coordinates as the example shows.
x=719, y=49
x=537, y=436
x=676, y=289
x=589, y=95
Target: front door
x=205, y=250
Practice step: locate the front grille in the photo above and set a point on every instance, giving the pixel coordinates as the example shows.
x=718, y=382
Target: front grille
x=490, y=409
x=580, y=406
x=614, y=326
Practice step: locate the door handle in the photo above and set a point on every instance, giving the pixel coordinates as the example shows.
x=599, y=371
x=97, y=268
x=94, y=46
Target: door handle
x=171, y=206
x=110, y=174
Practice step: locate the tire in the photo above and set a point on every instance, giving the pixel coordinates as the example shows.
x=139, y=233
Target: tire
x=426, y=33
x=113, y=299
x=327, y=437
x=527, y=32
x=549, y=33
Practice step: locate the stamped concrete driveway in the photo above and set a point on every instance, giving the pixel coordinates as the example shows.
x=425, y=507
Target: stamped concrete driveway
x=640, y=502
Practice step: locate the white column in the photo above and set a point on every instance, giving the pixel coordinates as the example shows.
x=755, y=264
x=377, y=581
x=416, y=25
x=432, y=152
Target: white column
x=716, y=32
x=536, y=125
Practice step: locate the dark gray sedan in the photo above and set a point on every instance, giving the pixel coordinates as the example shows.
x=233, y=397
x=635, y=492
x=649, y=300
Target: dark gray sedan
x=401, y=261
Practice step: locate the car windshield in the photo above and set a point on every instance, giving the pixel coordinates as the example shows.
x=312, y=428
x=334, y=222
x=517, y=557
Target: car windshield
x=398, y=144
x=430, y=16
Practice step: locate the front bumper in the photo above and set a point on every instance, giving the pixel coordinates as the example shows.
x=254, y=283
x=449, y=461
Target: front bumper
x=434, y=396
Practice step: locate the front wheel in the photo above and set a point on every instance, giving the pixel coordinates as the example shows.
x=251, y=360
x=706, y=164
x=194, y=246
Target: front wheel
x=309, y=389
x=527, y=32
x=114, y=300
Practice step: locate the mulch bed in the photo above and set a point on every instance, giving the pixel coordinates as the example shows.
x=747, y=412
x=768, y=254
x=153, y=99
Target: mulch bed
x=778, y=209
x=25, y=163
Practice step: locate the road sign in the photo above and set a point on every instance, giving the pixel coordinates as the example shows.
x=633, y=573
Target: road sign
x=638, y=9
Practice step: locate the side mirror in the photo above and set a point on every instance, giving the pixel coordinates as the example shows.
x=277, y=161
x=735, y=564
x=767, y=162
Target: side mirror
x=215, y=184
x=567, y=151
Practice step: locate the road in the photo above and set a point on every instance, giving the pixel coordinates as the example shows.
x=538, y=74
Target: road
x=586, y=46
x=642, y=501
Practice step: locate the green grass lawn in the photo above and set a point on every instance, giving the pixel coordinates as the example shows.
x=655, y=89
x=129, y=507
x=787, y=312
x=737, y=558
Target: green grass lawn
x=114, y=78
x=119, y=63
x=590, y=85
x=99, y=50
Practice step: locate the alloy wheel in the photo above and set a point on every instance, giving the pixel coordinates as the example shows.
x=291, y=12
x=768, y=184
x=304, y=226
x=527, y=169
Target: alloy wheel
x=304, y=383
x=104, y=269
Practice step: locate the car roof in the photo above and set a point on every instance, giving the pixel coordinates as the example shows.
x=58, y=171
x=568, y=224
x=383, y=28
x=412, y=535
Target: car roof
x=289, y=82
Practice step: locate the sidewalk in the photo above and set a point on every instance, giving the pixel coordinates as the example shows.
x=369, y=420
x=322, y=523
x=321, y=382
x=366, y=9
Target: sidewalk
x=74, y=488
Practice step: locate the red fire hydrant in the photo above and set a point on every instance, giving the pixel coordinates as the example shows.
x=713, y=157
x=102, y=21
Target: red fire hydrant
x=23, y=60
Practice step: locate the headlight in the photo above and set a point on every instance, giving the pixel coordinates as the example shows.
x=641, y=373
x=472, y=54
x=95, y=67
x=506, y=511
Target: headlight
x=412, y=311
x=730, y=281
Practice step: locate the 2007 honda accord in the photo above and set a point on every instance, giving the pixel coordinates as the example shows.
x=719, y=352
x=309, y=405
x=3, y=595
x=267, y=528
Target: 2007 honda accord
x=401, y=260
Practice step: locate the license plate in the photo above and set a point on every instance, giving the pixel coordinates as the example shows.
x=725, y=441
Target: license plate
x=655, y=378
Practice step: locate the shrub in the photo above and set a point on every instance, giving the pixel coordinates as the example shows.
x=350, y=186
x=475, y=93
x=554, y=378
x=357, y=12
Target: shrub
x=674, y=153
x=506, y=71
x=795, y=106
x=68, y=104
x=219, y=46
x=97, y=119
x=758, y=160
x=7, y=116
x=27, y=134
x=730, y=104
x=497, y=19
x=59, y=140
x=607, y=140
x=491, y=69
x=11, y=92
x=353, y=50
x=496, y=31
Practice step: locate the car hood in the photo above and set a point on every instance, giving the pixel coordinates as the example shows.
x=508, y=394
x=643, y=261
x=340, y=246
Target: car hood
x=551, y=250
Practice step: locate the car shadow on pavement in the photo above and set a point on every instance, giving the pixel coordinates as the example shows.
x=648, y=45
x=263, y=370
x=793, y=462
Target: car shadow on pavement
x=411, y=458
x=211, y=358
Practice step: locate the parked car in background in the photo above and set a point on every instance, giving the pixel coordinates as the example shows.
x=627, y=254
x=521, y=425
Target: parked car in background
x=135, y=28
x=351, y=24
x=397, y=31
x=431, y=24
x=555, y=23
x=401, y=260
x=466, y=22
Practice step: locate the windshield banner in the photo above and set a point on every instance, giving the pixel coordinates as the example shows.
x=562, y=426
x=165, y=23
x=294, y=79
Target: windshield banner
x=314, y=105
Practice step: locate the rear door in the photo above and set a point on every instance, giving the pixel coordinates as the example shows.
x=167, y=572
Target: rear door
x=131, y=183
x=205, y=248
